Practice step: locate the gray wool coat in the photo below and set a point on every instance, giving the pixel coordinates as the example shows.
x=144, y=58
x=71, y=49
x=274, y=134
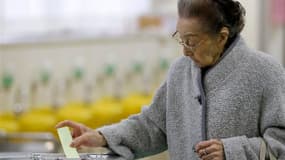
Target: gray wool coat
x=243, y=100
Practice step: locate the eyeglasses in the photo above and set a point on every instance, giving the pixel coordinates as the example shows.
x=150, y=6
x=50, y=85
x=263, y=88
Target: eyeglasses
x=186, y=43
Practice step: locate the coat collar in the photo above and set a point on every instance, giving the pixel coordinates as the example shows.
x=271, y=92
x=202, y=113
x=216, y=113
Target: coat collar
x=234, y=55
x=215, y=75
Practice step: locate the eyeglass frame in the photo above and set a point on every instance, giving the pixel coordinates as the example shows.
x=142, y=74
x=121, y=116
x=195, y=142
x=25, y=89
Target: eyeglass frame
x=184, y=44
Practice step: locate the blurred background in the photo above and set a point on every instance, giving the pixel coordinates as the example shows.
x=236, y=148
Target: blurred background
x=95, y=61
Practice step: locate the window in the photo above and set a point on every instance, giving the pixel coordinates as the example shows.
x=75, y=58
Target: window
x=22, y=18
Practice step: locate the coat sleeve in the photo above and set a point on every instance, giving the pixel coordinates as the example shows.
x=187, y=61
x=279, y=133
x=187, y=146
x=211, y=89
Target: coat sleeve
x=142, y=134
x=272, y=123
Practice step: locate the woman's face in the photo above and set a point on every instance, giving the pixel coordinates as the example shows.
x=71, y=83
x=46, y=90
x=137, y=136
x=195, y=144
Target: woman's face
x=202, y=48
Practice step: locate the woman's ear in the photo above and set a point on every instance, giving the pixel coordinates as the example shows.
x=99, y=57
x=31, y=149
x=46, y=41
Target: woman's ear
x=224, y=35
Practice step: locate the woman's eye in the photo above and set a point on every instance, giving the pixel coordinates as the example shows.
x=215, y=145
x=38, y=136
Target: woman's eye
x=189, y=43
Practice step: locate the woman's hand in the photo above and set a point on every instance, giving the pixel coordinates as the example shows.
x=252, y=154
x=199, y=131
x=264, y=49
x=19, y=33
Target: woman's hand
x=210, y=150
x=83, y=135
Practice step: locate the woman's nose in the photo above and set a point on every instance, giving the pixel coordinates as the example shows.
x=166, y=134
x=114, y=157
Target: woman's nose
x=187, y=52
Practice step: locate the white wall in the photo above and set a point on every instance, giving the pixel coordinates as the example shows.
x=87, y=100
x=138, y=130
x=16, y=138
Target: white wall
x=251, y=30
x=274, y=40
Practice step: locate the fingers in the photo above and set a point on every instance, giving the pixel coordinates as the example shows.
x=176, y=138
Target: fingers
x=218, y=155
x=80, y=141
x=205, y=144
x=68, y=123
x=210, y=150
x=77, y=128
x=89, y=139
x=211, y=156
x=77, y=142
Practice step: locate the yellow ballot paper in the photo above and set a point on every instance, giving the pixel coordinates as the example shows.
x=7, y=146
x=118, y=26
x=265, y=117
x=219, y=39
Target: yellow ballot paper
x=65, y=139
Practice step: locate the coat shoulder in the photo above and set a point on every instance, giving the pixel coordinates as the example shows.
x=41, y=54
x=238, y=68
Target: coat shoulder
x=180, y=64
x=267, y=67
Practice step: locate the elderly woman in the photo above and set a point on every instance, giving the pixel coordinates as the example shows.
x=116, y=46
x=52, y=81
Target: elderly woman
x=219, y=101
